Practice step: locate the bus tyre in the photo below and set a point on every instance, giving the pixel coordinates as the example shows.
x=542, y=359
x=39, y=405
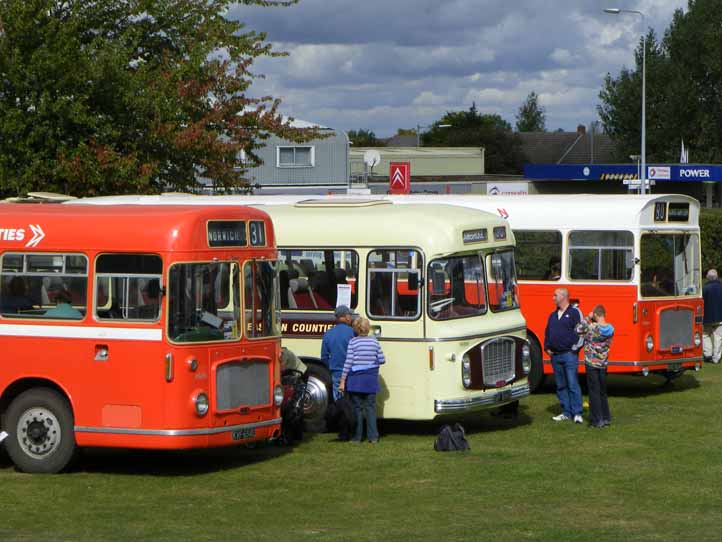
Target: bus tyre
x=316, y=398
x=536, y=373
x=41, y=437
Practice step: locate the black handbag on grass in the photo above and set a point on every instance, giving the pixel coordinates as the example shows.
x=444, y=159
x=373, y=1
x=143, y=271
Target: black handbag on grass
x=451, y=439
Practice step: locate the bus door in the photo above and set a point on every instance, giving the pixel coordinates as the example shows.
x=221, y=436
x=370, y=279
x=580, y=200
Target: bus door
x=394, y=308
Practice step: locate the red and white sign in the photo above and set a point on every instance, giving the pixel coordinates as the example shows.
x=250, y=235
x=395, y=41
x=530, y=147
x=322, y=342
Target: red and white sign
x=400, y=177
x=659, y=172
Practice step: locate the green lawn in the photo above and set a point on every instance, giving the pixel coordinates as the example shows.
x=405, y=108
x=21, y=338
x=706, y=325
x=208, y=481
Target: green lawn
x=656, y=474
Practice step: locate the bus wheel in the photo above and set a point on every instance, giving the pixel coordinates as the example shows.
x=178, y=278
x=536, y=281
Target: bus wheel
x=536, y=373
x=316, y=398
x=40, y=426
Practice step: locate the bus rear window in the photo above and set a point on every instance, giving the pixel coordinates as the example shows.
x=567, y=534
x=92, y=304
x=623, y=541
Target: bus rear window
x=44, y=286
x=203, y=302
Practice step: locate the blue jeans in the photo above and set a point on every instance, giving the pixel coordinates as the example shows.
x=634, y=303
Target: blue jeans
x=335, y=381
x=569, y=393
x=365, y=403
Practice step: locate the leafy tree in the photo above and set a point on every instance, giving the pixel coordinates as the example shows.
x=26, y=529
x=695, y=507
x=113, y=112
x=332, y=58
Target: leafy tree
x=364, y=138
x=531, y=116
x=502, y=146
x=136, y=96
x=684, y=90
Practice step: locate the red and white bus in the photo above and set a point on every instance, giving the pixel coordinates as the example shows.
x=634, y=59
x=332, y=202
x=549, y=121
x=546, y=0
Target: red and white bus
x=639, y=255
x=153, y=327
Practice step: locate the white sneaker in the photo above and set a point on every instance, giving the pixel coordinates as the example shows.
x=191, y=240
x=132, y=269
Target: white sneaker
x=578, y=418
x=560, y=417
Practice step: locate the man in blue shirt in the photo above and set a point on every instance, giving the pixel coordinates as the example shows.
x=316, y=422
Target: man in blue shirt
x=712, y=337
x=335, y=344
x=562, y=344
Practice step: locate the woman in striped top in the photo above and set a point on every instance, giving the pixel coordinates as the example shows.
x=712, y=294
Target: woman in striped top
x=360, y=378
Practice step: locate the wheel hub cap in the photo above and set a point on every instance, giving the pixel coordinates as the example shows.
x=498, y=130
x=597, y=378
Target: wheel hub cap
x=38, y=432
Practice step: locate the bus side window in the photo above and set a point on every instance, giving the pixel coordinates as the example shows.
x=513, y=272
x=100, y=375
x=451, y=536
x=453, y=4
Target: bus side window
x=36, y=285
x=601, y=255
x=538, y=254
x=312, y=276
x=389, y=295
x=128, y=287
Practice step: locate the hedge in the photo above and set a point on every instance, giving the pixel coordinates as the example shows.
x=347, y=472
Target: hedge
x=710, y=223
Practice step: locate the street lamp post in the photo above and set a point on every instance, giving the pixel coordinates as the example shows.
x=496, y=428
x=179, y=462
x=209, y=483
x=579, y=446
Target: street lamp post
x=617, y=11
x=419, y=127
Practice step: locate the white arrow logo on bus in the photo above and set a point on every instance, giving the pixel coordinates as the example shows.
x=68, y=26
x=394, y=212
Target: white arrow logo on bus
x=38, y=235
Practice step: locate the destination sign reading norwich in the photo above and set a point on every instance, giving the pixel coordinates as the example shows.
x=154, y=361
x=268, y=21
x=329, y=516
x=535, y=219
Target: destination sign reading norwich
x=226, y=233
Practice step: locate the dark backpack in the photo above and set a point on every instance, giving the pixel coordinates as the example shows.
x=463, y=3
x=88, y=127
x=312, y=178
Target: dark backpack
x=451, y=439
x=341, y=417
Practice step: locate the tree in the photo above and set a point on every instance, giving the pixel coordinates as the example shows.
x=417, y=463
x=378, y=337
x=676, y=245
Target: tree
x=364, y=138
x=531, y=116
x=136, y=96
x=502, y=146
x=684, y=90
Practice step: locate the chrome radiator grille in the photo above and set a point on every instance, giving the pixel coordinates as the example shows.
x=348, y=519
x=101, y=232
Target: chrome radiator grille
x=676, y=327
x=241, y=384
x=497, y=361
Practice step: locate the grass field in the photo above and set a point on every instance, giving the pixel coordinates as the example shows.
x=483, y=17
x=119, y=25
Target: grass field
x=656, y=474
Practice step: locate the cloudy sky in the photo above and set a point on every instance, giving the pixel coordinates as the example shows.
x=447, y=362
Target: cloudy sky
x=383, y=65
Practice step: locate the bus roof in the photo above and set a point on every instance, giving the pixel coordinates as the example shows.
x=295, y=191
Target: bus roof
x=343, y=223
x=570, y=211
x=560, y=211
x=53, y=227
x=439, y=230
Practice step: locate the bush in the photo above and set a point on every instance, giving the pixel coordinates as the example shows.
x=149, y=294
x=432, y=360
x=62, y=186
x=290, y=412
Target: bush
x=710, y=222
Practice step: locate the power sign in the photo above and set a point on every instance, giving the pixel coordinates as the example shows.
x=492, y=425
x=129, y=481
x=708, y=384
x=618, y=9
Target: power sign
x=399, y=177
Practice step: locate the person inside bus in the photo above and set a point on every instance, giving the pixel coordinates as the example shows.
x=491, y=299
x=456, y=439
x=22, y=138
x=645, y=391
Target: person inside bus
x=151, y=298
x=562, y=344
x=555, y=269
x=63, y=306
x=15, y=299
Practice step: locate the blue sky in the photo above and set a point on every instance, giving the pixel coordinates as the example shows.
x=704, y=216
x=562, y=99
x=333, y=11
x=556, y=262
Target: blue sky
x=383, y=65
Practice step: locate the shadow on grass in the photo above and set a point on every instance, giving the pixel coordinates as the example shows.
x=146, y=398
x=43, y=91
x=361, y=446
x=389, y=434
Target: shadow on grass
x=166, y=462
x=479, y=422
x=633, y=385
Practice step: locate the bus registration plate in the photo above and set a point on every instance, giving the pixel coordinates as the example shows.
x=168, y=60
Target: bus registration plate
x=502, y=396
x=246, y=432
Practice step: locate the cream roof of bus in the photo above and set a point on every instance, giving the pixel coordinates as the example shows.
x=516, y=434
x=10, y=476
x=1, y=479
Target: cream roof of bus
x=116, y=228
x=438, y=230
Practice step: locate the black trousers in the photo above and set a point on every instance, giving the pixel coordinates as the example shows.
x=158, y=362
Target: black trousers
x=598, y=404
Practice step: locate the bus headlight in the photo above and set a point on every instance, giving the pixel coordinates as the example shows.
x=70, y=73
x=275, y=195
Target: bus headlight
x=201, y=402
x=278, y=395
x=526, y=358
x=650, y=343
x=466, y=370
x=697, y=339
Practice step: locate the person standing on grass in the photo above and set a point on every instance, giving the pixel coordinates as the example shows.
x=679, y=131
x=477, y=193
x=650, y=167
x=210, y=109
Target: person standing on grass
x=360, y=378
x=334, y=345
x=597, y=334
x=712, y=334
x=562, y=344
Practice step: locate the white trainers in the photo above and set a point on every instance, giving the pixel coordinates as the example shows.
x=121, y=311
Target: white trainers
x=578, y=418
x=560, y=417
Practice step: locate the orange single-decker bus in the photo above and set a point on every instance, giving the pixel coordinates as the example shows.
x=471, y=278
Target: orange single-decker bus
x=136, y=327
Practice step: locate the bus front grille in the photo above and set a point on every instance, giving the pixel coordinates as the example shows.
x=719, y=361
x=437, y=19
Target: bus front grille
x=676, y=328
x=497, y=361
x=242, y=384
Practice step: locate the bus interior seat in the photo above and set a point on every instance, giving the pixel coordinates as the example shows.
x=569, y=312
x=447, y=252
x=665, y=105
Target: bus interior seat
x=301, y=295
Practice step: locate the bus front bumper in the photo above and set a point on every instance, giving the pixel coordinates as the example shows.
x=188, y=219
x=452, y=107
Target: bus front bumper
x=485, y=400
